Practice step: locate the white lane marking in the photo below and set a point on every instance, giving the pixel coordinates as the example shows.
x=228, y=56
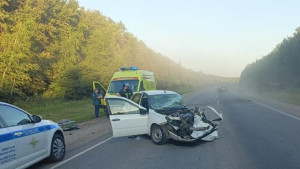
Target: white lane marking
x=79, y=154
x=276, y=110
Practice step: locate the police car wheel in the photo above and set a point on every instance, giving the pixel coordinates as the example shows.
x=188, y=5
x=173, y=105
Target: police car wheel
x=58, y=148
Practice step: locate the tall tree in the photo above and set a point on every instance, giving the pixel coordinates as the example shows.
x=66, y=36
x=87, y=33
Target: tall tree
x=15, y=47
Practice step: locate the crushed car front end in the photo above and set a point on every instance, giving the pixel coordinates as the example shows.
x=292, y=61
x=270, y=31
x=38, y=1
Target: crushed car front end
x=191, y=125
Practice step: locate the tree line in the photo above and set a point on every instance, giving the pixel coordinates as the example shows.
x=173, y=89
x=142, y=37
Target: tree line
x=56, y=48
x=280, y=69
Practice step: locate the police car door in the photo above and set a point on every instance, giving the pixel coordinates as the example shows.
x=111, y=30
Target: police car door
x=127, y=118
x=7, y=148
x=30, y=142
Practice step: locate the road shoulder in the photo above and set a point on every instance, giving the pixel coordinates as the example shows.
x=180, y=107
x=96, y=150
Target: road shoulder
x=89, y=130
x=290, y=109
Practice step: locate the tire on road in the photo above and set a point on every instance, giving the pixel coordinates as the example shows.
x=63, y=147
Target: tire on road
x=158, y=135
x=58, y=148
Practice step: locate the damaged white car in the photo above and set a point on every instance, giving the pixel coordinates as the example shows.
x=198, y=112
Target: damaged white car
x=162, y=115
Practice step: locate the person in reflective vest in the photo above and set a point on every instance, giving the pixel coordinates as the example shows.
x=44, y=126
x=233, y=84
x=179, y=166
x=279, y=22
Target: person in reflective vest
x=126, y=91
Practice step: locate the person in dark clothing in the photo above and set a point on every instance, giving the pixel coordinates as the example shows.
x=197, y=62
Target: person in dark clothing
x=96, y=101
x=126, y=91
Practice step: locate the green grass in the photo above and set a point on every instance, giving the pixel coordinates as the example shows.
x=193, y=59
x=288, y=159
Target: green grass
x=58, y=109
x=81, y=110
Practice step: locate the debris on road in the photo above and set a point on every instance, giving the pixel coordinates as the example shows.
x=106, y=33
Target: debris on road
x=67, y=125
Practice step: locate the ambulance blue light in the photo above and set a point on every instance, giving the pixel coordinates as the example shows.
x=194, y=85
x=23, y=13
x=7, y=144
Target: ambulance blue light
x=133, y=68
x=129, y=68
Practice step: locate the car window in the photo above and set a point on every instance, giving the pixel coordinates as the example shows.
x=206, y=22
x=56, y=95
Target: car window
x=100, y=88
x=142, y=86
x=136, y=98
x=144, y=101
x=1, y=124
x=13, y=117
x=118, y=106
x=117, y=85
x=161, y=101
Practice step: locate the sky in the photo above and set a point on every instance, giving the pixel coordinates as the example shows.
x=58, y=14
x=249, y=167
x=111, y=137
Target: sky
x=212, y=36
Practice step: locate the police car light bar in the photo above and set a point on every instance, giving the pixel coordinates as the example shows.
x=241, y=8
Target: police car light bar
x=129, y=68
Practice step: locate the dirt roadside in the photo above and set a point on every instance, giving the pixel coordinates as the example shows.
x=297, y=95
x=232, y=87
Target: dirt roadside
x=89, y=130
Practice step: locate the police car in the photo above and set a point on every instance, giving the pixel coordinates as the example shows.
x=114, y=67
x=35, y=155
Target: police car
x=26, y=139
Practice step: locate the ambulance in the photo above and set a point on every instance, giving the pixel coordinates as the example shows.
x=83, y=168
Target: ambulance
x=139, y=80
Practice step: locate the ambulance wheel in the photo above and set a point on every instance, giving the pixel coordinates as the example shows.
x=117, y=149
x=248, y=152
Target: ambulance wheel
x=58, y=148
x=158, y=135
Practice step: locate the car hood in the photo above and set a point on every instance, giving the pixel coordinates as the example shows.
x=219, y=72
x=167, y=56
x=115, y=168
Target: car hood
x=50, y=123
x=167, y=112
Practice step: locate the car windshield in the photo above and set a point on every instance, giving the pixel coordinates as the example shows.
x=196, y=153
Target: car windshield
x=165, y=101
x=116, y=86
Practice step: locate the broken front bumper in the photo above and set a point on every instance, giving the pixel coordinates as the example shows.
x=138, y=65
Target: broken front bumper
x=188, y=126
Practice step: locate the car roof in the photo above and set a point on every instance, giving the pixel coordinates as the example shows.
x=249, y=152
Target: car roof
x=7, y=104
x=157, y=92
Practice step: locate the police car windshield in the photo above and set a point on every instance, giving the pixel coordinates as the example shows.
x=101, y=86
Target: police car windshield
x=165, y=101
x=116, y=86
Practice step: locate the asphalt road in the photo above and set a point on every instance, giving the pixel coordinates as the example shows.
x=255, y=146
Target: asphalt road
x=252, y=135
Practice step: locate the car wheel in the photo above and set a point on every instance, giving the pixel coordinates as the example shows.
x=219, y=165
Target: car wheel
x=158, y=135
x=58, y=148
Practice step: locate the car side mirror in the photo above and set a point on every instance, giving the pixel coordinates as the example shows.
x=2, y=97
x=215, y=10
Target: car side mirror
x=143, y=111
x=36, y=119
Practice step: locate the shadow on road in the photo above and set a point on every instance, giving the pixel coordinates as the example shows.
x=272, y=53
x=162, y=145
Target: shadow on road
x=173, y=142
x=187, y=144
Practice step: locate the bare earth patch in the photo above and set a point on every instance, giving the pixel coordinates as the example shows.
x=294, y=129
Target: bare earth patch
x=89, y=130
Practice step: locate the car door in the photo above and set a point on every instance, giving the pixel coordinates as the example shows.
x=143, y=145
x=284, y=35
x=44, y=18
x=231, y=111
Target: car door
x=127, y=118
x=136, y=98
x=99, y=86
x=30, y=139
x=7, y=147
x=212, y=115
x=144, y=101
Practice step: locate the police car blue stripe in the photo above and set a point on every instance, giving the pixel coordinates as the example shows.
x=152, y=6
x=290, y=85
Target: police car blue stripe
x=6, y=137
x=26, y=132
